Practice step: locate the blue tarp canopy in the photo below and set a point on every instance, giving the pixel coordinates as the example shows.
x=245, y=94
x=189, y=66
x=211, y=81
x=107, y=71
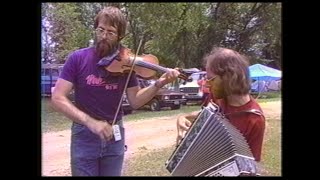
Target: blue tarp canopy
x=264, y=73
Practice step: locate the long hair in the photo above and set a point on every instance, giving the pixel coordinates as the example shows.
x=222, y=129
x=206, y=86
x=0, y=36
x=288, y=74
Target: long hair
x=233, y=69
x=113, y=16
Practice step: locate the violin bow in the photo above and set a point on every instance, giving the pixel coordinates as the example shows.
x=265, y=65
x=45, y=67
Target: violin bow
x=127, y=82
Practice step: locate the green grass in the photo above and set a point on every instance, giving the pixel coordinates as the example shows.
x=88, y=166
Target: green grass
x=268, y=100
x=146, y=114
x=153, y=163
x=269, y=96
x=148, y=164
x=271, y=154
x=52, y=120
x=269, y=166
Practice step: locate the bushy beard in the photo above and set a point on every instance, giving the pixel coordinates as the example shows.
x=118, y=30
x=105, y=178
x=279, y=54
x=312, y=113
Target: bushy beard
x=105, y=47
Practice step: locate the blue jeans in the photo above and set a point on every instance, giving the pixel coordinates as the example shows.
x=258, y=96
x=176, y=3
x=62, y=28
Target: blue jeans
x=90, y=156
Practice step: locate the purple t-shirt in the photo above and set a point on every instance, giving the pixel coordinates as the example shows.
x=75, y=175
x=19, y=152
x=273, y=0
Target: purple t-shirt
x=94, y=95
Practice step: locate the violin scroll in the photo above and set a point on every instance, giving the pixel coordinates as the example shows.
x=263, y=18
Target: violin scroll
x=182, y=74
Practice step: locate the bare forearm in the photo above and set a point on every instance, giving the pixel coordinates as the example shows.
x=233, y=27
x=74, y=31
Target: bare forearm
x=65, y=106
x=145, y=95
x=139, y=97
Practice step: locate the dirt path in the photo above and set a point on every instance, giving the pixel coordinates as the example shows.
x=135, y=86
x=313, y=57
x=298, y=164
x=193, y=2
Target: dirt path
x=142, y=135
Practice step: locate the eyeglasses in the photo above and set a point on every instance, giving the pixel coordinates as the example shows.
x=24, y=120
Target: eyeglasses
x=101, y=32
x=211, y=79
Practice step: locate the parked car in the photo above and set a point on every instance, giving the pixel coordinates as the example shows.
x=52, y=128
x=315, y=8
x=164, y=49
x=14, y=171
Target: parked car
x=165, y=97
x=49, y=76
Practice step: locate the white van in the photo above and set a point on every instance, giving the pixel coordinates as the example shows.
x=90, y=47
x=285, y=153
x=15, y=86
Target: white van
x=191, y=87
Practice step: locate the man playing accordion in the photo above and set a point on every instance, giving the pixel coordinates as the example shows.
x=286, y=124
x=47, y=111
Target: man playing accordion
x=229, y=82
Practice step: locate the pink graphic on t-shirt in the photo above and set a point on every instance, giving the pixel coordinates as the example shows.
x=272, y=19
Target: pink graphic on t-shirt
x=111, y=86
x=92, y=80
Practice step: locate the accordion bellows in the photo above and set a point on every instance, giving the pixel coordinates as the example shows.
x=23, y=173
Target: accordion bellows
x=212, y=147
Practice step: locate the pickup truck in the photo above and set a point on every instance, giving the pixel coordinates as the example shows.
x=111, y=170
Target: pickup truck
x=49, y=76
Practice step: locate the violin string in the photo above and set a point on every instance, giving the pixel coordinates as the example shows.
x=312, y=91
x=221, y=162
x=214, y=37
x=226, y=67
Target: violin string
x=151, y=66
x=127, y=82
x=157, y=68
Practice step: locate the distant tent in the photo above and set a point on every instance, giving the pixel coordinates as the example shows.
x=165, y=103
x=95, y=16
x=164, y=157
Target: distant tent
x=259, y=86
x=263, y=76
x=264, y=73
x=274, y=86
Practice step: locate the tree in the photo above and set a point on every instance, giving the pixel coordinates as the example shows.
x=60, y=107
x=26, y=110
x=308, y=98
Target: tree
x=68, y=33
x=179, y=34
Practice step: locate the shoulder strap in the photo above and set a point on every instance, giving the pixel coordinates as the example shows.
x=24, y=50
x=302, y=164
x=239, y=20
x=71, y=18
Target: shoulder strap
x=254, y=111
x=222, y=107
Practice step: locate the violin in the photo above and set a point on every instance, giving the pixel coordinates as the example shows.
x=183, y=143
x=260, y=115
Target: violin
x=146, y=65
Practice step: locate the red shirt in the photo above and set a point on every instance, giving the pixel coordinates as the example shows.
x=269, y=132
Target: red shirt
x=251, y=125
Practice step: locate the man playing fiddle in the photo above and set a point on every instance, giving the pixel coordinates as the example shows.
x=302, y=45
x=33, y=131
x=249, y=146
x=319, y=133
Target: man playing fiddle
x=94, y=150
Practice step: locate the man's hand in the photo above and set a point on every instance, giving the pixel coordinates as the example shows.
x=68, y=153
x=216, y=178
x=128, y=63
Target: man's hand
x=101, y=128
x=168, y=77
x=183, y=125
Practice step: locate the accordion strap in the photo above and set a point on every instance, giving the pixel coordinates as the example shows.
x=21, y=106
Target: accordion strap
x=254, y=111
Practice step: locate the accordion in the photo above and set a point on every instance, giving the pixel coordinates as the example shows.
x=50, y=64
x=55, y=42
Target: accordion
x=212, y=147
